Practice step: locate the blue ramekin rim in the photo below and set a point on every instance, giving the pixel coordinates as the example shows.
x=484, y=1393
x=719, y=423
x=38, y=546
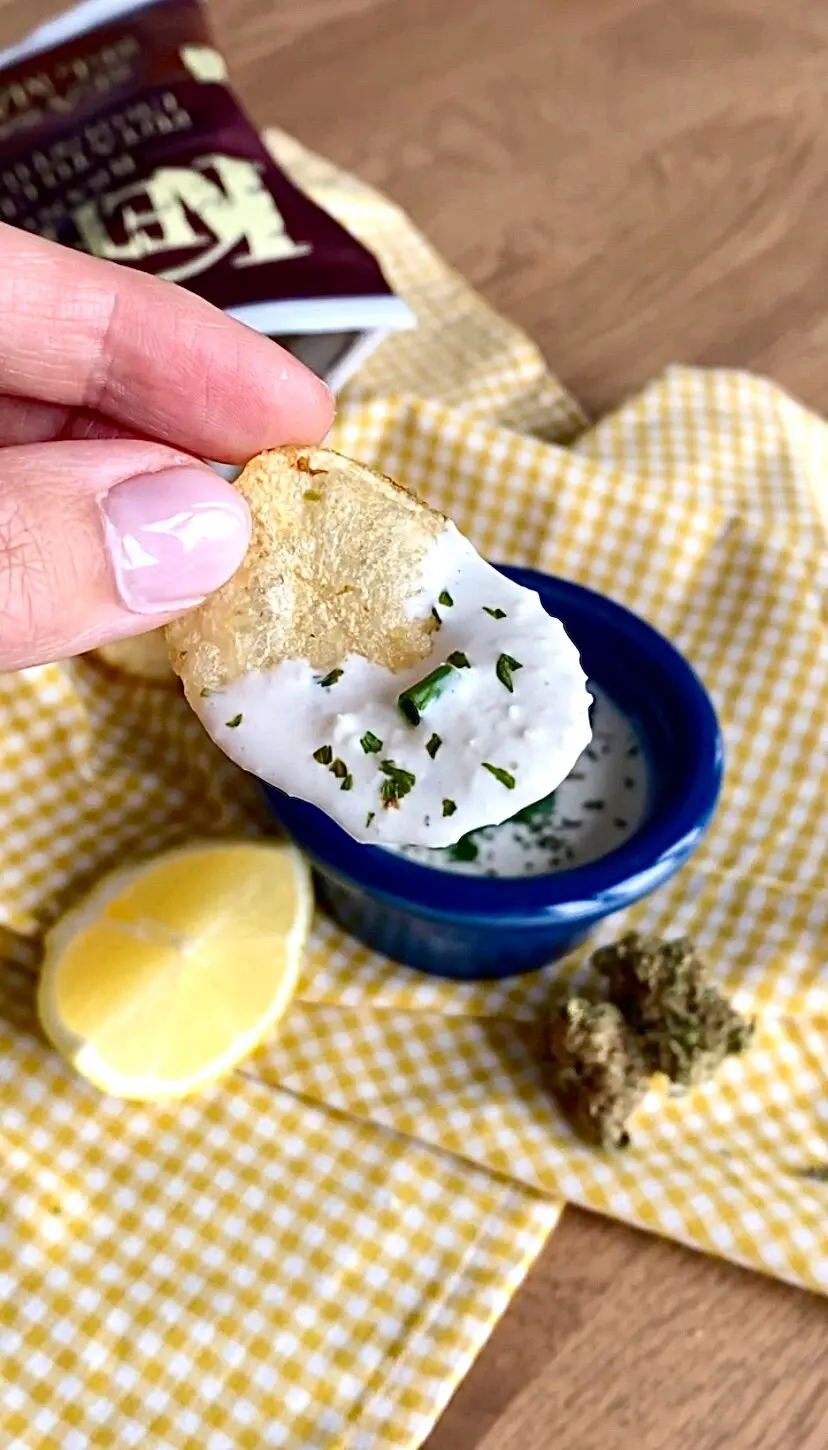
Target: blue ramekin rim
x=617, y=879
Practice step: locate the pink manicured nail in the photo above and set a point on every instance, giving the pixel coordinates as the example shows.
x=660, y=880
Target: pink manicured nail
x=173, y=537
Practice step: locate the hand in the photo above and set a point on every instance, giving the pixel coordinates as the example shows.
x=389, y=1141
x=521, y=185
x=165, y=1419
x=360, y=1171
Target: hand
x=113, y=387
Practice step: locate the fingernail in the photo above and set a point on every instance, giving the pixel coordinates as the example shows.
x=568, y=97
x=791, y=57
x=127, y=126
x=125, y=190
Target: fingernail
x=173, y=537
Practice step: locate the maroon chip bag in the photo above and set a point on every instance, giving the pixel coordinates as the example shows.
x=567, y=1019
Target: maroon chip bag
x=120, y=136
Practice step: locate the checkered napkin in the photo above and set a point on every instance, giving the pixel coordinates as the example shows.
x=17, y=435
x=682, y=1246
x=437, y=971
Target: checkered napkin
x=310, y=1255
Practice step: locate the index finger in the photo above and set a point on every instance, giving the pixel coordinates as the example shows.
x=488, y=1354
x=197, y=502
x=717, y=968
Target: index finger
x=92, y=334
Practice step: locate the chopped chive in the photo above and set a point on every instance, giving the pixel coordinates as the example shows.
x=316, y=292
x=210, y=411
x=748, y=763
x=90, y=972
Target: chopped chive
x=369, y=817
x=398, y=774
x=324, y=755
x=495, y=613
x=446, y=599
x=449, y=807
x=370, y=743
x=330, y=679
x=339, y=769
x=397, y=784
x=313, y=494
x=434, y=745
x=417, y=698
x=236, y=720
x=459, y=660
x=503, y=669
x=500, y=774
x=465, y=849
x=437, y=620
x=347, y=782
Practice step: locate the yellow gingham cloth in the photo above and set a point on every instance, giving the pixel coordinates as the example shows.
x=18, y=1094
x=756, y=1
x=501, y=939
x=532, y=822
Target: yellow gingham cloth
x=311, y=1255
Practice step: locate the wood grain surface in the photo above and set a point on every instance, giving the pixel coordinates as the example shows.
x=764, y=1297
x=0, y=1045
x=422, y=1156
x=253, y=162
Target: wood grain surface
x=636, y=182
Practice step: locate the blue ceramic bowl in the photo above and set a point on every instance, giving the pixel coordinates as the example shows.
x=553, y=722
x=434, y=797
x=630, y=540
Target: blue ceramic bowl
x=474, y=927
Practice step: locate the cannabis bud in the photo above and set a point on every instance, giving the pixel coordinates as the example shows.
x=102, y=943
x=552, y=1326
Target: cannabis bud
x=597, y=1071
x=662, y=1016
x=685, y=1026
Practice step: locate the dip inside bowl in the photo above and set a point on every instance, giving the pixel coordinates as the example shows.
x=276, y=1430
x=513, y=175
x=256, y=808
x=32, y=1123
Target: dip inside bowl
x=600, y=805
x=511, y=898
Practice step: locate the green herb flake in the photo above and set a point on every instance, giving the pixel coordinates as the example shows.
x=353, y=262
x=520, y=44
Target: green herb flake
x=369, y=818
x=500, y=774
x=398, y=774
x=312, y=495
x=397, y=784
x=433, y=745
x=815, y=1173
x=504, y=669
x=449, y=807
x=330, y=679
x=465, y=849
x=324, y=755
x=370, y=743
x=459, y=660
x=495, y=613
x=437, y=620
x=339, y=769
x=446, y=599
x=236, y=720
x=347, y=782
x=206, y=693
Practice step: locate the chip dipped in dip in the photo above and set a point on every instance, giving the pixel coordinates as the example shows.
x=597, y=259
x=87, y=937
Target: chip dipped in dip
x=367, y=660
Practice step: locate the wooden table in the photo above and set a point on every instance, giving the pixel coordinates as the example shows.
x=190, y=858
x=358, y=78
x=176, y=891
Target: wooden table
x=636, y=182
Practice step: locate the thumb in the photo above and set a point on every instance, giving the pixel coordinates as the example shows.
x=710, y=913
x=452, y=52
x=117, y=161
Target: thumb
x=99, y=540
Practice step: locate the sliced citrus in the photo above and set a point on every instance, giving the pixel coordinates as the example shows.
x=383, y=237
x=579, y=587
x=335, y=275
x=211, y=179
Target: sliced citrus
x=174, y=969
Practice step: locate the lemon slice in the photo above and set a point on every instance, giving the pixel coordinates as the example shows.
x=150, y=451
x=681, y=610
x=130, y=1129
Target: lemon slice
x=173, y=970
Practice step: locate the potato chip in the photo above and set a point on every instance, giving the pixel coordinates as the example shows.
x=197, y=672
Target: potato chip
x=332, y=563
x=144, y=656
x=366, y=659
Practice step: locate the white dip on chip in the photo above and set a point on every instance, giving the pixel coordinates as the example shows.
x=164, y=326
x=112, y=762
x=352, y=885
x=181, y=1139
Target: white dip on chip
x=499, y=727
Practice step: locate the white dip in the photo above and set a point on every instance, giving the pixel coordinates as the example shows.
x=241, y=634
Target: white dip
x=599, y=805
x=342, y=741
